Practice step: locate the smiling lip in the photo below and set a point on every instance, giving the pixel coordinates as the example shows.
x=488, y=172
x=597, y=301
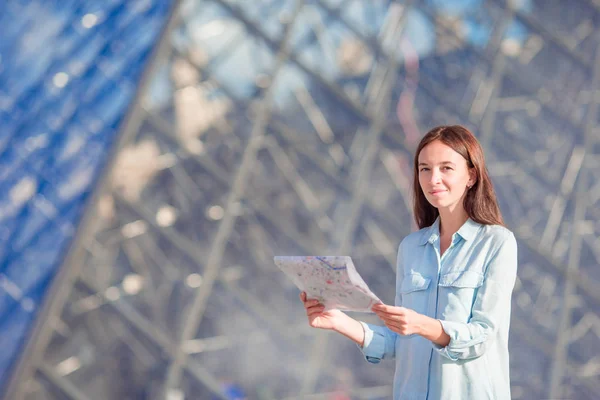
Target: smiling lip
x=436, y=192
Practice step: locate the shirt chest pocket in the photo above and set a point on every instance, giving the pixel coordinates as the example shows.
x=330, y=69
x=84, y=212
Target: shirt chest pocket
x=457, y=292
x=413, y=292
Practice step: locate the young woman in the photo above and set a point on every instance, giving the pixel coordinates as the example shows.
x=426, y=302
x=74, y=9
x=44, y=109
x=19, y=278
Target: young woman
x=448, y=330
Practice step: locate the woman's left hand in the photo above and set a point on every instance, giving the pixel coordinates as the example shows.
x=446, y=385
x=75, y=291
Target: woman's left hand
x=403, y=321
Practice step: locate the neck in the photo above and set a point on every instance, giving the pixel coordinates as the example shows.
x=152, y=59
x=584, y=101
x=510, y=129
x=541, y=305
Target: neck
x=452, y=220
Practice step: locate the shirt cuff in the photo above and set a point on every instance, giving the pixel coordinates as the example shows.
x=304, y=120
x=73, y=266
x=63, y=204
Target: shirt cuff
x=374, y=344
x=456, y=346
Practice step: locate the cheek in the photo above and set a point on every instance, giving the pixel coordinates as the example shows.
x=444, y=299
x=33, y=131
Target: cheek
x=458, y=184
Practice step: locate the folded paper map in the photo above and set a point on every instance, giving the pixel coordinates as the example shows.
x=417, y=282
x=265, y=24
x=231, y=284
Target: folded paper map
x=333, y=280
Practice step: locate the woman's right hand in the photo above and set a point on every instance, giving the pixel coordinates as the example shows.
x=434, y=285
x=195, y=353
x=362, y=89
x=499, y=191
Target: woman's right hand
x=317, y=317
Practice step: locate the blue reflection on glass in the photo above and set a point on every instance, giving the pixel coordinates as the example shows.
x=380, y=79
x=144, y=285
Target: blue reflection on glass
x=68, y=73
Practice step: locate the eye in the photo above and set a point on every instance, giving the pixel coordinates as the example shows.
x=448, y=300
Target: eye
x=424, y=169
x=447, y=168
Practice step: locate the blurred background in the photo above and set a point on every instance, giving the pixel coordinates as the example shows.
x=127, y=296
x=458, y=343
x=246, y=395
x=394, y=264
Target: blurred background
x=155, y=155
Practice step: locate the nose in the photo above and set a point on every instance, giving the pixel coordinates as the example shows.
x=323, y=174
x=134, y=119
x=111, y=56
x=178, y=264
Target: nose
x=435, y=176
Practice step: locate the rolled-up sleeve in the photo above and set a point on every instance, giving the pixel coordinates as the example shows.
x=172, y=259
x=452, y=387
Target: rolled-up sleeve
x=491, y=309
x=379, y=343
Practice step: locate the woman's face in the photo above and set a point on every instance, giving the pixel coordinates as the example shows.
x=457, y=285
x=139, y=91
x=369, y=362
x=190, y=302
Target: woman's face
x=444, y=175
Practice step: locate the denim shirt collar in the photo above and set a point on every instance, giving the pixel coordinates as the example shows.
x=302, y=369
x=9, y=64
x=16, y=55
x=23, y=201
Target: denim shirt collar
x=467, y=231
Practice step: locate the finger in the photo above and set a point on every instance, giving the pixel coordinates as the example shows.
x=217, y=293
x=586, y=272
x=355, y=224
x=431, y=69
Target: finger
x=378, y=307
x=390, y=310
x=303, y=296
x=383, y=315
x=387, y=321
x=390, y=321
x=397, y=319
x=382, y=308
x=311, y=302
x=316, y=305
x=315, y=311
x=394, y=326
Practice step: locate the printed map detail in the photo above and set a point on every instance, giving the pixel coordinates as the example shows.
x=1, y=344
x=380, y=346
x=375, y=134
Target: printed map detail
x=332, y=280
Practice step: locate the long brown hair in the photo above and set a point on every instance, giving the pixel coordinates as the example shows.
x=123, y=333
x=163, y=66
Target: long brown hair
x=480, y=201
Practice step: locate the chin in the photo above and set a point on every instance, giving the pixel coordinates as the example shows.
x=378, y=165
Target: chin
x=437, y=203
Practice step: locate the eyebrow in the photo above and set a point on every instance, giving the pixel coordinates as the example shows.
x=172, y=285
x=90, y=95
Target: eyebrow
x=442, y=163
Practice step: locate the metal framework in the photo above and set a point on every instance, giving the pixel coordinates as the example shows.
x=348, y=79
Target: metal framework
x=287, y=127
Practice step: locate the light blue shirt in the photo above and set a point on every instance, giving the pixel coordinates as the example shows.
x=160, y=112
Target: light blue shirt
x=469, y=290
